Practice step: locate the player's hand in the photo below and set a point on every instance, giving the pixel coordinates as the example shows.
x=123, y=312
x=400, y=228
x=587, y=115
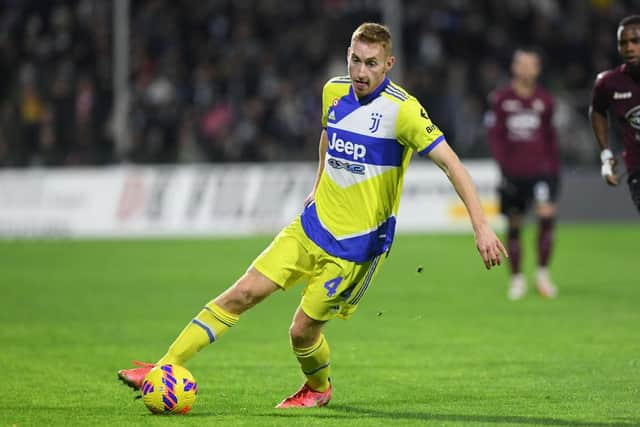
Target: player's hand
x=490, y=247
x=608, y=170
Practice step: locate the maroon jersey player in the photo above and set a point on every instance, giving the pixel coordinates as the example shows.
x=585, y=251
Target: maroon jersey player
x=523, y=142
x=617, y=92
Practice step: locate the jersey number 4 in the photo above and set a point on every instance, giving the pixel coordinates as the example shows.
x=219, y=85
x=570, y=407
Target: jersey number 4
x=332, y=286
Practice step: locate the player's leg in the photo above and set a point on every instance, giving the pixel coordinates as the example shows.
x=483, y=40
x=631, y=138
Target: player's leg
x=513, y=200
x=213, y=321
x=336, y=292
x=545, y=195
x=518, y=282
x=311, y=349
x=514, y=233
x=279, y=266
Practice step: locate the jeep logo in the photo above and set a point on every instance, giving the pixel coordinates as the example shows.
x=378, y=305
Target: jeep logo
x=356, y=151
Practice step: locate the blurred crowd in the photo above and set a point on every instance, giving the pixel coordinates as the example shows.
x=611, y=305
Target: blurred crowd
x=240, y=80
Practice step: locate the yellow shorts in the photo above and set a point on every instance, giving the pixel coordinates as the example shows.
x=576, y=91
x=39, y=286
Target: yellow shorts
x=334, y=286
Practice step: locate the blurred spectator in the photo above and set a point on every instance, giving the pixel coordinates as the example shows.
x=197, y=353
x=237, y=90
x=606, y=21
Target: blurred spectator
x=31, y=107
x=238, y=80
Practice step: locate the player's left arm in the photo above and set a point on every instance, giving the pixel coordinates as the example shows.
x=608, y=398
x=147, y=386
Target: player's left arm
x=416, y=131
x=487, y=242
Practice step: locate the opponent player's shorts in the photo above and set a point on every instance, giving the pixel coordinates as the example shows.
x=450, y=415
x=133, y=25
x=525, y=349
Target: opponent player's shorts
x=517, y=194
x=634, y=188
x=334, y=286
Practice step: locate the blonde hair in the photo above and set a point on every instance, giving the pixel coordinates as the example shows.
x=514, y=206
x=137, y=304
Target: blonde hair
x=371, y=32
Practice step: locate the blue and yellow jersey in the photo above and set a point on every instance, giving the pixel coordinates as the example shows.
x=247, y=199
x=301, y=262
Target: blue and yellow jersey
x=371, y=141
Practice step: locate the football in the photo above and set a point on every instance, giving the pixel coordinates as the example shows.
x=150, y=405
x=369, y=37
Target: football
x=169, y=389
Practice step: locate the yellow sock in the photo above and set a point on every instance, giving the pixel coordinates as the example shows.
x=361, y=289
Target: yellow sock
x=314, y=362
x=208, y=326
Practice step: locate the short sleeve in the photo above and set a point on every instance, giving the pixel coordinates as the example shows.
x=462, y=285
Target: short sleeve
x=415, y=129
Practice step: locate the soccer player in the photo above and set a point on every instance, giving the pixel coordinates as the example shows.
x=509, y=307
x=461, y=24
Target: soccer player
x=371, y=127
x=523, y=142
x=618, y=91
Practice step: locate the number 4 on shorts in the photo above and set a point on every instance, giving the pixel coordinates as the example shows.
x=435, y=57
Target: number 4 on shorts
x=332, y=285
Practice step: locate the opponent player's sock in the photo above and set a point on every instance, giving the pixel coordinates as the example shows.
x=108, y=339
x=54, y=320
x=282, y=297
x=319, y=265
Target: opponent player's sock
x=513, y=243
x=208, y=326
x=314, y=362
x=545, y=240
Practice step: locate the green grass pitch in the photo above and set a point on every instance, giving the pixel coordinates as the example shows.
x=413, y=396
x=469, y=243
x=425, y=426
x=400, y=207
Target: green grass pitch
x=441, y=347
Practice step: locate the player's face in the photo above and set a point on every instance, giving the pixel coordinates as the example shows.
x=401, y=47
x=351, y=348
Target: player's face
x=526, y=66
x=629, y=44
x=368, y=65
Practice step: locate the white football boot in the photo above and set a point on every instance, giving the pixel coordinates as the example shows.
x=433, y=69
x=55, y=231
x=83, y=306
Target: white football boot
x=517, y=287
x=545, y=286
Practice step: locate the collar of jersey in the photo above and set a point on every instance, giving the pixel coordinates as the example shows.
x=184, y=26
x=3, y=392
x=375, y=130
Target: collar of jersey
x=373, y=95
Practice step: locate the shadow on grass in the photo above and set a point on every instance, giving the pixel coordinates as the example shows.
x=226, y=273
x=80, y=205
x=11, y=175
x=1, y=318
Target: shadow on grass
x=364, y=412
x=333, y=412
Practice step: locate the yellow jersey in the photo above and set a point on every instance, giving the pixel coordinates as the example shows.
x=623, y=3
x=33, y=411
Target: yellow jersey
x=371, y=141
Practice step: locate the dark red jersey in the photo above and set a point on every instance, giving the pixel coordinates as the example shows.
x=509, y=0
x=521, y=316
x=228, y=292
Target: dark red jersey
x=521, y=133
x=616, y=91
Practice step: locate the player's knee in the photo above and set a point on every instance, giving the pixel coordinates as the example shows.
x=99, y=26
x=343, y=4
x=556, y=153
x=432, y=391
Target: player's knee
x=241, y=296
x=546, y=222
x=246, y=294
x=299, y=339
x=514, y=221
x=513, y=232
x=546, y=210
x=301, y=336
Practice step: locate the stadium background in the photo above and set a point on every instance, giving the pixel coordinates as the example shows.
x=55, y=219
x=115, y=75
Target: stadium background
x=218, y=81
x=92, y=83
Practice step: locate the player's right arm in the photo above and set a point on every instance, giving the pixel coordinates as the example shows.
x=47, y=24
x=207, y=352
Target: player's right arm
x=322, y=153
x=332, y=90
x=600, y=126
